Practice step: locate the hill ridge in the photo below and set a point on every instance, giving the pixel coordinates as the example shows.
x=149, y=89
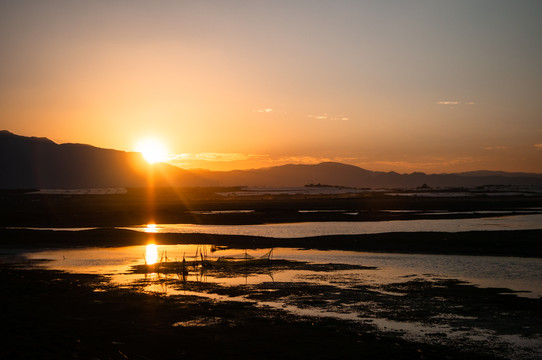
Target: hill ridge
x=33, y=162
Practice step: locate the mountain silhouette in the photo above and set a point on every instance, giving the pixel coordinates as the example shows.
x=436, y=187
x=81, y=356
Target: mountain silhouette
x=338, y=174
x=39, y=163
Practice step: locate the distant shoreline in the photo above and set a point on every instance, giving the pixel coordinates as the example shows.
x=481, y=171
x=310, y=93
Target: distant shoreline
x=521, y=243
x=204, y=206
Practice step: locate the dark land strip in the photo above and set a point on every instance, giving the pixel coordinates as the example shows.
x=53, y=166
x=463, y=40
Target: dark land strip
x=196, y=206
x=524, y=243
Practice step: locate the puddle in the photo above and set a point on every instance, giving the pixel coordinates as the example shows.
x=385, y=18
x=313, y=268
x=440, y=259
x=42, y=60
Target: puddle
x=199, y=322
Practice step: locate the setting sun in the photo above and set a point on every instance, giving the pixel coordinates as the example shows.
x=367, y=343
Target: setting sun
x=153, y=151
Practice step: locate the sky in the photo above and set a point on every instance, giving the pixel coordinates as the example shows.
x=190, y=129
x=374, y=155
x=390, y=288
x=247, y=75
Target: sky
x=436, y=86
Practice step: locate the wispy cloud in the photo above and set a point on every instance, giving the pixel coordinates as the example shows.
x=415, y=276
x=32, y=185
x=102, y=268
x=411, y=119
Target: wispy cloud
x=212, y=156
x=318, y=117
x=263, y=111
x=310, y=159
x=328, y=117
x=538, y=146
x=455, y=103
x=490, y=148
x=448, y=102
x=241, y=161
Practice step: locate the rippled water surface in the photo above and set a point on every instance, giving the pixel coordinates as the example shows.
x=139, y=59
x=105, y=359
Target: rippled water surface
x=296, y=230
x=519, y=274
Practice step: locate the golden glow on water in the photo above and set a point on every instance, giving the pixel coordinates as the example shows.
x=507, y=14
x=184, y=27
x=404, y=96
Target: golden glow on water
x=151, y=254
x=150, y=228
x=519, y=274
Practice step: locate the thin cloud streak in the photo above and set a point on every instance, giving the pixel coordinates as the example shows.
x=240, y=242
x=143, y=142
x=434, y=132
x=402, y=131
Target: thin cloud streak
x=491, y=148
x=312, y=159
x=429, y=164
x=326, y=116
x=448, y=102
x=212, y=156
x=454, y=103
x=245, y=161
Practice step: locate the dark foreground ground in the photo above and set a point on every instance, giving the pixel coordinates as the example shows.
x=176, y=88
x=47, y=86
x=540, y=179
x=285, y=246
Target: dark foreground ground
x=48, y=314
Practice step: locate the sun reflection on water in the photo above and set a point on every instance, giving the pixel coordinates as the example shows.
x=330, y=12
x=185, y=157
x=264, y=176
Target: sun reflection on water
x=151, y=254
x=150, y=228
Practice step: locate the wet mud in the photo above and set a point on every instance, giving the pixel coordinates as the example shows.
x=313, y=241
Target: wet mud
x=436, y=311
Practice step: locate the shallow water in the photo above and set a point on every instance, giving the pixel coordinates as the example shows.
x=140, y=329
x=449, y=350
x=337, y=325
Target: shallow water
x=515, y=273
x=323, y=228
x=297, y=230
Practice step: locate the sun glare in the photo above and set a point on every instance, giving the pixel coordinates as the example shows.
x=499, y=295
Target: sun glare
x=151, y=254
x=151, y=228
x=153, y=151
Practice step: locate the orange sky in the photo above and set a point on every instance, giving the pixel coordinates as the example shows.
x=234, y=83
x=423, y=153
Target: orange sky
x=436, y=86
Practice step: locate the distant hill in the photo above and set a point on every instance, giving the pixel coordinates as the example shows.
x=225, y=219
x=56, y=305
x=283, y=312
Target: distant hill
x=39, y=163
x=486, y=173
x=331, y=173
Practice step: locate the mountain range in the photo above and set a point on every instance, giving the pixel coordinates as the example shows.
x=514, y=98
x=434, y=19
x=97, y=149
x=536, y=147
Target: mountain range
x=39, y=163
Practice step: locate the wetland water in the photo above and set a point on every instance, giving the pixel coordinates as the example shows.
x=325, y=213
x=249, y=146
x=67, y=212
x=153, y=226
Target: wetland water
x=480, y=301
x=515, y=273
x=297, y=230
x=380, y=289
